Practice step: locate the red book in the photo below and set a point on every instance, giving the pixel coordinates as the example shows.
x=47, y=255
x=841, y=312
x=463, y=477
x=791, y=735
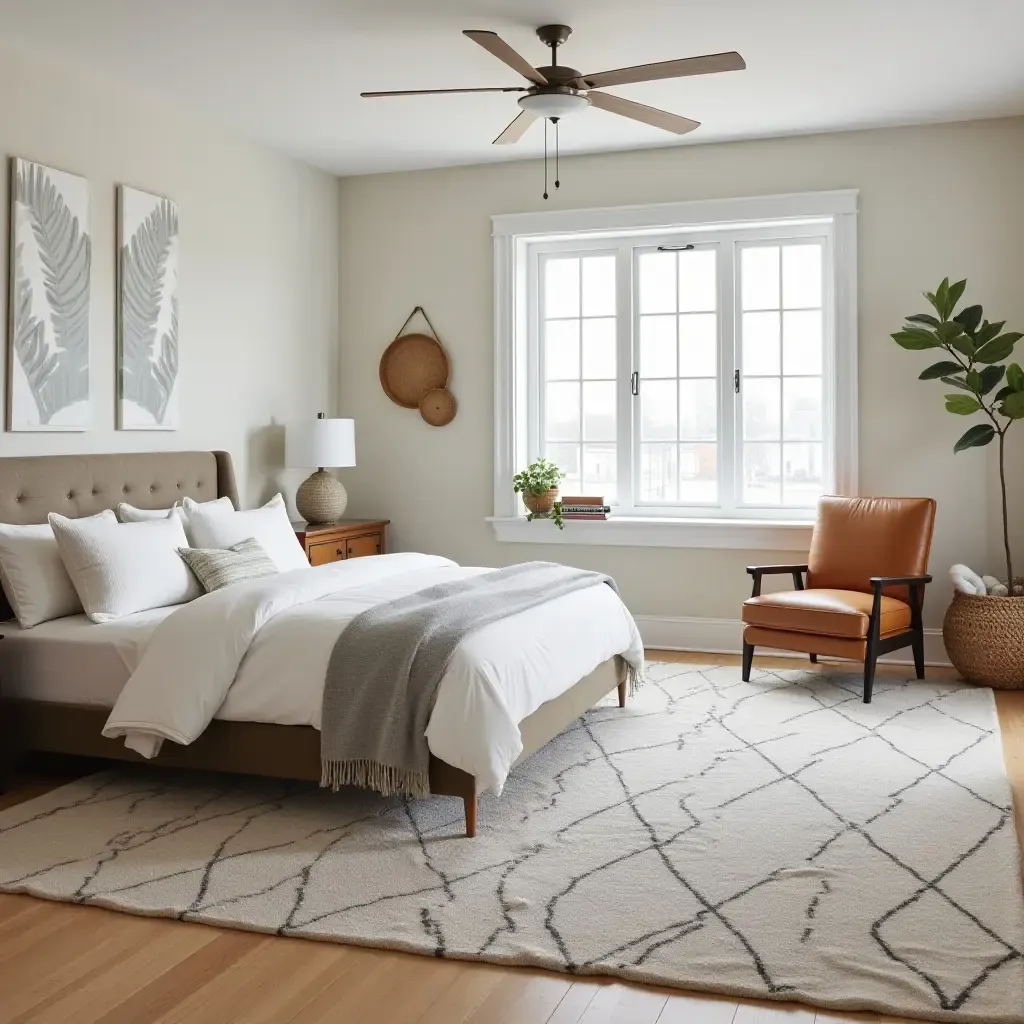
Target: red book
x=581, y=499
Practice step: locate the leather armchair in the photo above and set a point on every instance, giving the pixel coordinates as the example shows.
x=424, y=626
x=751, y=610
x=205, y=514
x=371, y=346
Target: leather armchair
x=861, y=592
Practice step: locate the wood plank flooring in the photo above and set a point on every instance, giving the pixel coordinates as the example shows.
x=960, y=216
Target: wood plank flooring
x=65, y=963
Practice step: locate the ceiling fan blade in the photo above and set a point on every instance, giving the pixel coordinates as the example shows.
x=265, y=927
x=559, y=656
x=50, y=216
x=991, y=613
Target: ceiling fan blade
x=493, y=43
x=516, y=129
x=642, y=112
x=435, y=92
x=707, y=65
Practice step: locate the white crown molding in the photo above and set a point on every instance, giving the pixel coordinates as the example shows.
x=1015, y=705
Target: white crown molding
x=795, y=206
x=725, y=636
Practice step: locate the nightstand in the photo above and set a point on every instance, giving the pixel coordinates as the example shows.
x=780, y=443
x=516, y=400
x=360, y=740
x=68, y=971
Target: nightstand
x=348, y=538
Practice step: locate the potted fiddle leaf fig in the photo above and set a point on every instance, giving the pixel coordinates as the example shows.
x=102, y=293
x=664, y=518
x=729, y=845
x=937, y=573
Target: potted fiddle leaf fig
x=538, y=484
x=982, y=631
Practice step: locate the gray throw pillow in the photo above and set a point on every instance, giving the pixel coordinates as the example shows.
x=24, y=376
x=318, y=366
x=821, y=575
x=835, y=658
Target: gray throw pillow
x=220, y=567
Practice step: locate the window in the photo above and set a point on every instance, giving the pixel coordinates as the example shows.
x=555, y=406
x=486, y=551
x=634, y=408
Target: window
x=690, y=363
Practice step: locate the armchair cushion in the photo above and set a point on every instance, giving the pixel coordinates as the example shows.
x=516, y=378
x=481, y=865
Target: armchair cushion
x=838, y=613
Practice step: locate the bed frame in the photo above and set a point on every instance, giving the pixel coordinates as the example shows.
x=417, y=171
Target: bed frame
x=83, y=485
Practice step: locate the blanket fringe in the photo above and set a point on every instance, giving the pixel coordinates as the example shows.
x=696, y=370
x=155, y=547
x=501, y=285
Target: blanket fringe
x=636, y=678
x=384, y=778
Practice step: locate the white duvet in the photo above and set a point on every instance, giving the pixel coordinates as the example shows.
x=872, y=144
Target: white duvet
x=258, y=652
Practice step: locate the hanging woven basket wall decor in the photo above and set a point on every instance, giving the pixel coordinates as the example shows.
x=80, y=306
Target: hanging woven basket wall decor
x=414, y=373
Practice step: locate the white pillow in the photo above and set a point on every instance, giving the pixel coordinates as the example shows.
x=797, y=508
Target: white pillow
x=35, y=581
x=214, y=527
x=130, y=514
x=122, y=568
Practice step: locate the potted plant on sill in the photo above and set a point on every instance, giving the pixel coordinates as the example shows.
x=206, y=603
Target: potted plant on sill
x=982, y=632
x=538, y=484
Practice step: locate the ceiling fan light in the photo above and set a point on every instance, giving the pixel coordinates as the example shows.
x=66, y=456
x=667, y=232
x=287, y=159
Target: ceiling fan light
x=555, y=104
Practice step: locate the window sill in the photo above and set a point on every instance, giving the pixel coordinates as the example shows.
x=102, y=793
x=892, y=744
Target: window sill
x=623, y=531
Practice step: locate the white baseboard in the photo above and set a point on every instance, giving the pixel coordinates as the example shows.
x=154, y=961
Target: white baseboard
x=724, y=636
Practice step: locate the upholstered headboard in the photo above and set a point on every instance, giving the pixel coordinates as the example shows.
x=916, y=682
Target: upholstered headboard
x=82, y=485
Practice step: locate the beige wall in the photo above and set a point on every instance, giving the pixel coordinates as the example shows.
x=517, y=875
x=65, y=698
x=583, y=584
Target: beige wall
x=258, y=265
x=934, y=201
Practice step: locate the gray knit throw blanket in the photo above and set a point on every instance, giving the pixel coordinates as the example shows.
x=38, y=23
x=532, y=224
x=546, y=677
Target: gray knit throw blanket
x=387, y=664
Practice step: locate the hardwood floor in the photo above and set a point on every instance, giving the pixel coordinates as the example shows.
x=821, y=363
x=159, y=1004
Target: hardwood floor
x=65, y=963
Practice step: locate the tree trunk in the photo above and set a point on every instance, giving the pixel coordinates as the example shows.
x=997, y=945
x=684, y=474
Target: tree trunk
x=1006, y=518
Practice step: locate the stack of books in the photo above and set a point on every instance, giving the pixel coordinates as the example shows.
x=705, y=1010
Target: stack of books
x=584, y=506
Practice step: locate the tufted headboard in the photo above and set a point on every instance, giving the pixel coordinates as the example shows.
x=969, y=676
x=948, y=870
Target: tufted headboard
x=82, y=485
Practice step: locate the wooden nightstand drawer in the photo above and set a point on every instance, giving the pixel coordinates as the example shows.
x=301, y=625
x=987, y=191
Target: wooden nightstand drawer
x=365, y=544
x=333, y=542
x=326, y=551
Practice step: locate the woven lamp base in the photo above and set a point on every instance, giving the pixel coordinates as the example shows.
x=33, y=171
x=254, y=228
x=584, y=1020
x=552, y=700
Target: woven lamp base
x=321, y=498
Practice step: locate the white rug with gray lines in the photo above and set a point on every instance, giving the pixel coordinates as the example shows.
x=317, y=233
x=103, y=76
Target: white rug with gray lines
x=776, y=839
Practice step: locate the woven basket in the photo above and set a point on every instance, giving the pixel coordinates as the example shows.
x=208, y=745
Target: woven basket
x=985, y=639
x=541, y=504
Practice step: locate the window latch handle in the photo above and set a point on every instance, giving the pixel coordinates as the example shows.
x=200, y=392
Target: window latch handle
x=634, y=383
x=736, y=381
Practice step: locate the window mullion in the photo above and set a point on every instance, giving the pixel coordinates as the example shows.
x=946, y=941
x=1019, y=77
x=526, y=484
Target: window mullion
x=729, y=447
x=627, y=359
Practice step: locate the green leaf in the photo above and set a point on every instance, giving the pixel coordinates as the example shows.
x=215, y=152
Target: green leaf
x=924, y=318
x=989, y=378
x=997, y=348
x=977, y=437
x=969, y=317
x=1002, y=393
x=948, y=331
x=1015, y=377
x=964, y=345
x=916, y=338
x=962, y=405
x=942, y=369
x=987, y=331
x=955, y=291
x=1013, y=406
x=974, y=380
x=942, y=299
x=957, y=382
x=930, y=296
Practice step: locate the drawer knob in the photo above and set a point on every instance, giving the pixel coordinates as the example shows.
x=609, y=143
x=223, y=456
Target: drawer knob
x=340, y=553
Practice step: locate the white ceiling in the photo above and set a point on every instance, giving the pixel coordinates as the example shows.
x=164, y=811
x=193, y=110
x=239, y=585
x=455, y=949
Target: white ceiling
x=288, y=72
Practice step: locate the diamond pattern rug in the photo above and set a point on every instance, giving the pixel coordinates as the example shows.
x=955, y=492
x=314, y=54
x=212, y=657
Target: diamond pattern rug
x=774, y=839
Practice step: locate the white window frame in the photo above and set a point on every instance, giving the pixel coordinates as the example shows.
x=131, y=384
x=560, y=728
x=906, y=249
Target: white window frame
x=519, y=239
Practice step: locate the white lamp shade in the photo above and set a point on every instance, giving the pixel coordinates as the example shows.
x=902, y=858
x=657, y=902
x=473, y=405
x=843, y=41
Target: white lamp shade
x=330, y=444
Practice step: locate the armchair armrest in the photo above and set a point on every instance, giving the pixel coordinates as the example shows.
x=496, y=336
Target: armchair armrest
x=897, y=581
x=757, y=571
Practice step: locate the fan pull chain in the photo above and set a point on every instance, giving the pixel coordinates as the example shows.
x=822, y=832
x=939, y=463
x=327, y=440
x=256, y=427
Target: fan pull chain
x=554, y=121
x=545, y=158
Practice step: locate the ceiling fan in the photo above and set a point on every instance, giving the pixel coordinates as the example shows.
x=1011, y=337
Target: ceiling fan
x=557, y=91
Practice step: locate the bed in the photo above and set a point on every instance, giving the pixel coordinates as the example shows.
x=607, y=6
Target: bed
x=59, y=679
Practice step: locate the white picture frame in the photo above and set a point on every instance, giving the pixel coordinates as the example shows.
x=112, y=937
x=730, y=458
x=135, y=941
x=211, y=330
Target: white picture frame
x=48, y=339
x=147, y=311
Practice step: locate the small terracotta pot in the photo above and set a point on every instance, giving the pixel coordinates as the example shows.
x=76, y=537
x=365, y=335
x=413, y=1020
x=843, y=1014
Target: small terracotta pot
x=983, y=637
x=541, y=504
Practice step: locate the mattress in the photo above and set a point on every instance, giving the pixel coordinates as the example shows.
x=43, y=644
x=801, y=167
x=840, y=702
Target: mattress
x=74, y=660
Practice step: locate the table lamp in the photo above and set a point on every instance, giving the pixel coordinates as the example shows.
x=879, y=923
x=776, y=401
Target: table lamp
x=321, y=498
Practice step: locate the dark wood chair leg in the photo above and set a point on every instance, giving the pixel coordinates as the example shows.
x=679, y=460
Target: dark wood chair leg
x=623, y=693
x=917, y=625
x=918, y=646
x=748, y=660
x=469, y=804
x=869, y=674
x=814, y=659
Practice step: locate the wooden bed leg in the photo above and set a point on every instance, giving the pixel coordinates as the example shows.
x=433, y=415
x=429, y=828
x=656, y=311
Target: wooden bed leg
x=469, y=803
x=623, y=693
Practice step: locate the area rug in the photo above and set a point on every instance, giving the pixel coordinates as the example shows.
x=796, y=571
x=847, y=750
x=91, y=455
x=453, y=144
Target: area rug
x=774, y=839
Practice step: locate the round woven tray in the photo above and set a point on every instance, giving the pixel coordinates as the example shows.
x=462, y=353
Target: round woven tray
x=438, y=407
x=412, y=365
x=985, y=639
